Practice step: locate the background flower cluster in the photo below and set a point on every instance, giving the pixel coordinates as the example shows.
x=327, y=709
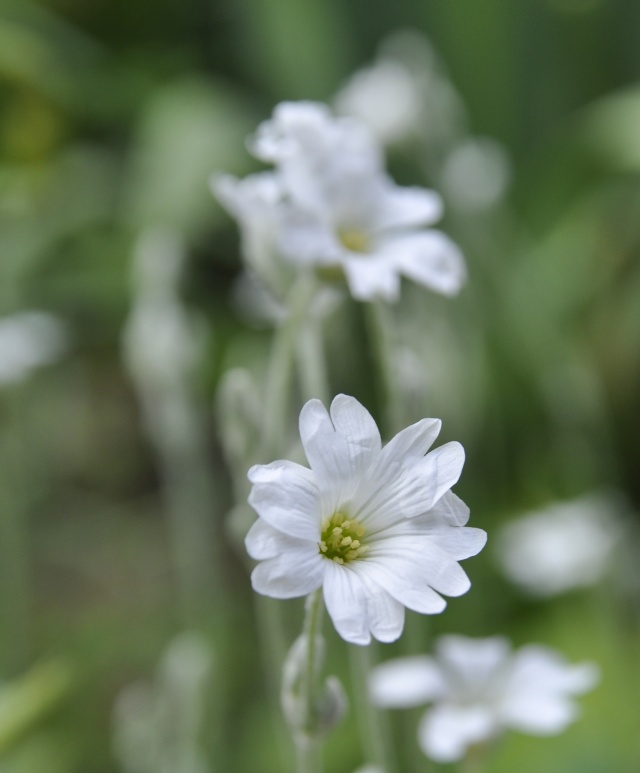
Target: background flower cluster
x=136, y=332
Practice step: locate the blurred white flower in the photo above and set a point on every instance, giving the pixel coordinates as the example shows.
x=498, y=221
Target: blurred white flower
x=377, y=528
x=255, y=202
x=476, y=173
x=29, y=340
x=387, y=96
x=158, y=727
x=162, y=341
x=480, y=688
x=330, y=205
x=406, y=95
x=343, y=211
x=563, y=546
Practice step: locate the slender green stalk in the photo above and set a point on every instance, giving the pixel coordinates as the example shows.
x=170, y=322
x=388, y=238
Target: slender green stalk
x=14, y=543
x=312, y=366
x=307, y=743
x=313, y=616
x=382, y=339
x=308, y=758
x=375, y=733
x=272, y=446
x=475, y=760
x=280, y=372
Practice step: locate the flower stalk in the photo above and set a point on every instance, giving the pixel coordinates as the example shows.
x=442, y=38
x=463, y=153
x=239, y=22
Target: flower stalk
x=380, y=329
x=280, y=370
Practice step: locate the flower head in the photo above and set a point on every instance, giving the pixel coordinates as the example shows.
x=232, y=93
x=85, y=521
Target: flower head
x=334, y=207
x=29, y=340
x=479, y=688
x=563, y=546
x=377, y=528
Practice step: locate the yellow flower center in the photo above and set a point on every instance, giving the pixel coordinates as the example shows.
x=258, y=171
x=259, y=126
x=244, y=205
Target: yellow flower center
x=340, y=538
x=355, y=240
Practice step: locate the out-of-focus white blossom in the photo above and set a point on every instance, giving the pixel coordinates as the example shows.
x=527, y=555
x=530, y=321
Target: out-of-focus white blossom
x=255, y=202
x=476, y=173
x=330, y=704
x=387, y=96
x=563, y=546
x=158, y=727
x=337, y=210
x=377, y=528
x=29, y=340
x=345, y=212
x=406, y=94
x=479, y=688
x=162, y=341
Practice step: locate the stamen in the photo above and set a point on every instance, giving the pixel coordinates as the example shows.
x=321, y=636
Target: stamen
x=355, y=240
x=338, y=540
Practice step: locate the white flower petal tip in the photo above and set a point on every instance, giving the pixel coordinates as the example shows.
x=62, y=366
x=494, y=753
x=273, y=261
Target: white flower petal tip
x=479, y=688
x=329, y=205
x=376, y=527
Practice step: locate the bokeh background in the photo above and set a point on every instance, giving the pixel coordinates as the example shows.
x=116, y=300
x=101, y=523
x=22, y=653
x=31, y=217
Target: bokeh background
x=113, y=116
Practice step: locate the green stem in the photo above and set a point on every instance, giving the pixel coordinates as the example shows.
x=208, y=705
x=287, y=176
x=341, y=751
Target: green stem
x=374, y=729
x=475, y=760
x=312, y=364
x=15, y=566
x=382, y=339
x=313, y=607
x=307, y=744
x=280, y=372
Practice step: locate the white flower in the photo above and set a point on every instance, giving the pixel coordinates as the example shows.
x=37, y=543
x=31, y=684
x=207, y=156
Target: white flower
x=255, y=202
x=476, y=174
x=377, y=528
x=479, y=688
x=566, y=545
x=28, y=340
x=343, y=211
x=387, y=96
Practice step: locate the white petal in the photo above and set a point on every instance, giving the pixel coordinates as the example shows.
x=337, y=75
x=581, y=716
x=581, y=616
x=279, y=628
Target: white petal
x=545, y=668
x=286, y=496
x=539, y=690
x=371, y=278
x=460, y=542
x=358, y=605
x=408, y=491
x=475, y=662
x=451, y=509
x=344, y=597
x=293, y=125
x=307, y=238
x=405, y=683
x=418, y=564
x=412, y=591
x=442, y=468
x=429, y=258
x=445, y=732
x=407, y=207
x=296, y=572
x=538, y=713
x=411, y=443
x=385, y=614
x=354, y=422
x=263, y=541
x=342, y=455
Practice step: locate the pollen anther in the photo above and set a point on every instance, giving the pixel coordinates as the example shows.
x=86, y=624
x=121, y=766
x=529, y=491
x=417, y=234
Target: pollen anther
x=339, y=538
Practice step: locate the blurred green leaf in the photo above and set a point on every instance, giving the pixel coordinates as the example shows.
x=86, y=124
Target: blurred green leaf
x=188, y=130
x=25, y=701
